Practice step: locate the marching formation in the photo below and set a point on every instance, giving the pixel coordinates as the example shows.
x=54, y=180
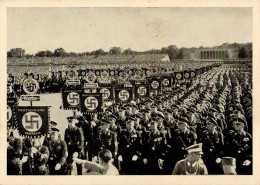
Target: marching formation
x=201, y=127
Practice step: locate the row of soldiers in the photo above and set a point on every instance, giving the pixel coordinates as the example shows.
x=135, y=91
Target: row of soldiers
x=150, y=135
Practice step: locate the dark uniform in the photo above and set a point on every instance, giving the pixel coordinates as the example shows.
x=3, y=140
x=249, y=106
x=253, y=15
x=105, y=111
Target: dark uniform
x=155, y=149
x=74, y=140
x=213, y=148
x=180, y=140
x=239, y=146
x=58, y=154
x=107, y=140
x=129, y=146
x=36, y=163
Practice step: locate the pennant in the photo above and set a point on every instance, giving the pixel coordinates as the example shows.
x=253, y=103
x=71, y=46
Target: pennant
x=142, y=90
x=71, y=98
x=123, y=94
x=11, y=104
x=91, y=103
x=32, y=121
x=186, y=75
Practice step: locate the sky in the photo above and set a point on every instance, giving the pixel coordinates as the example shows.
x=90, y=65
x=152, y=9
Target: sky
x=141, y=29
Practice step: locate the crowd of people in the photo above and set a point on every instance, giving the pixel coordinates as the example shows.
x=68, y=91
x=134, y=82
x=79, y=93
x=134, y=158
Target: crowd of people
x=197, y=128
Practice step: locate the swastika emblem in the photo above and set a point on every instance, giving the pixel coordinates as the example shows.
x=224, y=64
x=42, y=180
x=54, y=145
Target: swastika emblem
x=32, y=121
x=187, y=75
x=192, y=74
x=155, y=84
x=30, y=86
x=124, y=95
x=73, y=98
x=105, y=93
x=91, y=103
x=165, y=82
x=178, y=76
x=9, y=113
x=142, y=91
x=83, y=73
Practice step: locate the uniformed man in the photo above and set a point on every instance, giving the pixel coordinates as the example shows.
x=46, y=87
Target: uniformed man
x=213, y=147
x=74, y=140
x=107, y=139
x=192, y=164
x=47, y=138
x=155, y=150
x=239, y=146
x=15, y=148
x=58, y=154
x=37, y=159
x=130, y=148
x=229, y=165
x=181, y=138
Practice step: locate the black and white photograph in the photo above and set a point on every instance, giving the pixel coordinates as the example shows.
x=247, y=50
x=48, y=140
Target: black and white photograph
x=126, y=91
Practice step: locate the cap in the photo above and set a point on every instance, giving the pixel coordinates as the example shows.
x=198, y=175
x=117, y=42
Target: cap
x=71, y=117
x=239, y=120
x=195, y=148
x=228, y=161
x=160, y=115
x=54, y=130
x=112, y=116
x=103, y=121
x=80, y=118
x=130, y=118
x=212, y=121
x=53, y=123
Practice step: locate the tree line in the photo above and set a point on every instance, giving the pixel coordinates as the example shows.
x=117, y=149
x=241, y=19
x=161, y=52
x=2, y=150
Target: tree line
x=244, y=51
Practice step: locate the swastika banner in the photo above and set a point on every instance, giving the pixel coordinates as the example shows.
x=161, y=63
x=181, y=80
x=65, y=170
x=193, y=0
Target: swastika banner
x=155, y=83
x=91, y=103
x=142, y=90
x=32, y=121
x=123, y=94
x=11, y=104
x=107, y=93
x=178, y=75
x=166, y=81
x=71, y=98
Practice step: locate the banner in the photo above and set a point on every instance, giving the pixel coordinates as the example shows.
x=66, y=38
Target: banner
x=142, y=90
x=123, y=94
x=71, y=98
x=91, y=103
x=155, y=83
x=107, y=93
x=166, y=81
x=178, y=75
x=11, y=104
x=186, y=75
x=32, y=121
x=193, y=74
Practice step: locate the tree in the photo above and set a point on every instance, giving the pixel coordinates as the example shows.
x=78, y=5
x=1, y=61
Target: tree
x=49, y=53
x=16, y=52
x=60, y=52
x=40, y=54
x=115, y=50
x=172, y=52
x=180, y=54
x=98, y=52
x=128, y=51
x=163, y=50
x=243, y=53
